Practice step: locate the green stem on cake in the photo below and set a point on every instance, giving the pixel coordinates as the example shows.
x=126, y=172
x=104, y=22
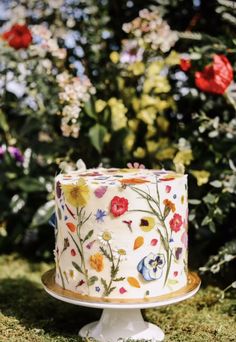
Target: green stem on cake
x=80, y=246
x=114, y=270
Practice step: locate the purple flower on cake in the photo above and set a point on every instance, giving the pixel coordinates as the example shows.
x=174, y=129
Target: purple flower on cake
x=100, y=214
x=151, y=266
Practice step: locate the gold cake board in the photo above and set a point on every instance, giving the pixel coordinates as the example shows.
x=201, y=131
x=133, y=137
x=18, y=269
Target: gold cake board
x=193, y=284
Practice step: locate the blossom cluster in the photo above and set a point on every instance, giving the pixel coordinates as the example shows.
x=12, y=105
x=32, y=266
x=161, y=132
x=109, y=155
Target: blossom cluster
x=152, y=31
x=75, y=92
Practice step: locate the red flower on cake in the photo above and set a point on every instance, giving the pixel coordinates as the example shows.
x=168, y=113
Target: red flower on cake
x=215, y=77
x=119, y=205
x=19, y=36
x=176, y=222
x=185, y=64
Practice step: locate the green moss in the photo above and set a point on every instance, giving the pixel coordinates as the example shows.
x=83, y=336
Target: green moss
x=28, y=313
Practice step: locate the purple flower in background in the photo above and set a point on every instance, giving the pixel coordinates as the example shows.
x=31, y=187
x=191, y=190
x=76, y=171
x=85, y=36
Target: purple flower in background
x=16, y=154
x=2, y=151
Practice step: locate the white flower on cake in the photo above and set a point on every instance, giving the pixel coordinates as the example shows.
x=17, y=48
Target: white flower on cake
x=120, y=253
x=105, y=237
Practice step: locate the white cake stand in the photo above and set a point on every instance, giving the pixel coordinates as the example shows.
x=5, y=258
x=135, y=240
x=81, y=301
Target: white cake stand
x=121, y=319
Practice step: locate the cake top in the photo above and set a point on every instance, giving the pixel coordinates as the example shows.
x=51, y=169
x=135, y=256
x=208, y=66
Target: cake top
x=114, y=176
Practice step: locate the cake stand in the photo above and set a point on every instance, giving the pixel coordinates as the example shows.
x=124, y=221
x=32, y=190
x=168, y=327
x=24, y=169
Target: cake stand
x=121, y=319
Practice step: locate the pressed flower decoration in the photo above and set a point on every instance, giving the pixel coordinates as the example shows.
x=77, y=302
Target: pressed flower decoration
x=119, y=205
x=151, y=266
x=76, y=194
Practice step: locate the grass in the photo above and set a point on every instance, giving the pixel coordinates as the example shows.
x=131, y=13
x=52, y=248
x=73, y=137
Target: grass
x=27, y=313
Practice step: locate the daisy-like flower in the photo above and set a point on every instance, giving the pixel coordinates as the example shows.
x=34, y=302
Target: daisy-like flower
x=120, y=253
x=76, y=194
x=105, y=237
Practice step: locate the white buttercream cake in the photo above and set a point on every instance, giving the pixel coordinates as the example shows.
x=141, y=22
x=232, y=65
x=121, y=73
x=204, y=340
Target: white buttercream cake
x=121, y=233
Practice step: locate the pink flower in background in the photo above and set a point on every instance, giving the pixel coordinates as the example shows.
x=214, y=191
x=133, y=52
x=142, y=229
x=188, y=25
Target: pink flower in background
x=135, y=165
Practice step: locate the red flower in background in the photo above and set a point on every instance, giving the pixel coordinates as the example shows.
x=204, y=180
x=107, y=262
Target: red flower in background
x=185, y=64
x=176, y=222
x=119, y=205
x=215, y=77
x=19, y=36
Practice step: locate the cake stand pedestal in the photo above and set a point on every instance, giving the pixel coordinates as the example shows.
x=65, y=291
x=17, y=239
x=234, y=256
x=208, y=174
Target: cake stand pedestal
x=121, y=319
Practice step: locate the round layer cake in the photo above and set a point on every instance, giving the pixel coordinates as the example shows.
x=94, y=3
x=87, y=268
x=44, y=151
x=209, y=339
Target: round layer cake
x=121, y=233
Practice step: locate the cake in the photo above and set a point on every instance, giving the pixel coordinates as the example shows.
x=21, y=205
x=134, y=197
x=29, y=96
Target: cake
x=121, y=233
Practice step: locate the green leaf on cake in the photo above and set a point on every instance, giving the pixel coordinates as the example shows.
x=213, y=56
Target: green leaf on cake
x=92, y=280
x=119, y=279
x=104, y=283
x=77, y=267
x=96, y=135
x=88, y=236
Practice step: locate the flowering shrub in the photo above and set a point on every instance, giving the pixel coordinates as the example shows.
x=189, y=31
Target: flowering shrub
x=165, y=97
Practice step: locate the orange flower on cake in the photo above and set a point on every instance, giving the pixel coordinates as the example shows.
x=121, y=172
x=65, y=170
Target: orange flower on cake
x=215, y=77
x=96, y=262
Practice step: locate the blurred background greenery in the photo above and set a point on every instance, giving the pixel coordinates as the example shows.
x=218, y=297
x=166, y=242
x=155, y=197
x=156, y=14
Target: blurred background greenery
x=111, y=82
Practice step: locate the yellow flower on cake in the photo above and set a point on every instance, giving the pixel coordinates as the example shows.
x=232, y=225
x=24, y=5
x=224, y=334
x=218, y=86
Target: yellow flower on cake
x=96, y=262
x=76, y=194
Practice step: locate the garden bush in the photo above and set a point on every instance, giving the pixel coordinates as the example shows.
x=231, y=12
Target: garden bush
x=112, y=82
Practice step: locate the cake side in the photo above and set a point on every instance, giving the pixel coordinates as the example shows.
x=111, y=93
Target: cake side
x=121, y=233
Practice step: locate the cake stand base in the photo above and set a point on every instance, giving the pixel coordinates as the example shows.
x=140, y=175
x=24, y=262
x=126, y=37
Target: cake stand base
x=115, y=325
x=121, y=320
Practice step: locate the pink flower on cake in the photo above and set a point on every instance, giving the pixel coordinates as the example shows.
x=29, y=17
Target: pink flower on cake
x=176, y=222
x=119, y=205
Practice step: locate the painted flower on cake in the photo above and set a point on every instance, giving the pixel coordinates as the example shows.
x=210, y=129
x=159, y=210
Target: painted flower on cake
x=151, y=266
x=119, y=205
x=105, y=237
x=147, y=223
x=176, y=222
x=76, y=194
x=100, y=214
x=96, y=262
x=170, y=205
x=120, y=254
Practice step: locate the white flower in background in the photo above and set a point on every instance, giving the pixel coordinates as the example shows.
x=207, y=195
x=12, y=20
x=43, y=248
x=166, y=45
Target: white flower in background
x=131, y=51
x=75, y=92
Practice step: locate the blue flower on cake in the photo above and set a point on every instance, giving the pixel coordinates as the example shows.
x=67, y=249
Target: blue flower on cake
x=151, y=266
x=100, y=214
